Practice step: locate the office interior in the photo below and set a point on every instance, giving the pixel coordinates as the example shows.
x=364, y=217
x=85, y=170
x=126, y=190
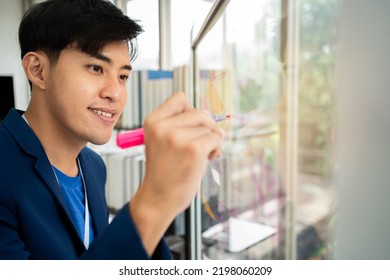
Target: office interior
x=304, y=168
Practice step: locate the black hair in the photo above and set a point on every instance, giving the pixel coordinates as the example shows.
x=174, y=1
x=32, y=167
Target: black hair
x=90, y=25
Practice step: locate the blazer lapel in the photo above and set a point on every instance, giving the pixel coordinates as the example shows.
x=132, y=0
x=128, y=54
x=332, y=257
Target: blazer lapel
x=46, y=173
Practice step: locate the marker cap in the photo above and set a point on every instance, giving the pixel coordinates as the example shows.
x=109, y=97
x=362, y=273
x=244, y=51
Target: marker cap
x=130, y=138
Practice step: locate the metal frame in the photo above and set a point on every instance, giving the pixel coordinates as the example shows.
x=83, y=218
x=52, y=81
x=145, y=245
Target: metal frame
x=289, y=118
x=212, y=17
x=193, y=214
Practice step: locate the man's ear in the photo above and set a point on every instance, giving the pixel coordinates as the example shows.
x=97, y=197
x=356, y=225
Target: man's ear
x=36, y=66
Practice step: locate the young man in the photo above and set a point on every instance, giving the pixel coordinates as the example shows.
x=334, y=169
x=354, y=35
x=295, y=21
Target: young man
x=76, y=55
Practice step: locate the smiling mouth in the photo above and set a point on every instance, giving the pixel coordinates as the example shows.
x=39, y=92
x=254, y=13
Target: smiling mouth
x=102, y=113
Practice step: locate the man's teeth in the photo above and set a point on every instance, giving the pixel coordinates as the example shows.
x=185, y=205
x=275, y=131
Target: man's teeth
x=105, y=114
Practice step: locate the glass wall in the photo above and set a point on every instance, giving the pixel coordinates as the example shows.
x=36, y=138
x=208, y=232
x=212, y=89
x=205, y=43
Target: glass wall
x=239, y=74
x=271, y=195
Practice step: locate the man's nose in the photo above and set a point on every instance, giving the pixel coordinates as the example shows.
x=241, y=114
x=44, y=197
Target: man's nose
x=112, y=89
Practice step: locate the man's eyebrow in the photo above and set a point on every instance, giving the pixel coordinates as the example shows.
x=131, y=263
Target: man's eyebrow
x=109, y=60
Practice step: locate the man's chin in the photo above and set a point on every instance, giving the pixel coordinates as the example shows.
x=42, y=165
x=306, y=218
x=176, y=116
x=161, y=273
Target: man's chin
x=100, y=140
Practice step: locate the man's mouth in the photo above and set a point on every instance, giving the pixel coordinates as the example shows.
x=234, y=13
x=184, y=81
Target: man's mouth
x=103, y=113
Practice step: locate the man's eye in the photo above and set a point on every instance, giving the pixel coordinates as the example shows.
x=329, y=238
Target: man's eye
x=96, y=68
x=124, y=77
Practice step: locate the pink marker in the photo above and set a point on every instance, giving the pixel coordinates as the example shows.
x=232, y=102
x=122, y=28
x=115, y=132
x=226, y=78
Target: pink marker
x=135, y=137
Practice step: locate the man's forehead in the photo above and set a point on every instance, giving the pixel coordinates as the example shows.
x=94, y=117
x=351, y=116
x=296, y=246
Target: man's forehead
x=106, y=53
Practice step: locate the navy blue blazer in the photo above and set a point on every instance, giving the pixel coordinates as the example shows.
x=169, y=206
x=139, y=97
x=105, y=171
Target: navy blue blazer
x=34, y=219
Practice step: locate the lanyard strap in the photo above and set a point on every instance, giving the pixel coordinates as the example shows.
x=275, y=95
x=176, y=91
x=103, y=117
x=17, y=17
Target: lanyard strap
x=86, y=216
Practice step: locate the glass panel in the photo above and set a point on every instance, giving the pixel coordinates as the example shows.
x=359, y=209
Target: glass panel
x=146, y=11
x=315, y=192
x=185, y=14
x=259, y=201
x=239, y=74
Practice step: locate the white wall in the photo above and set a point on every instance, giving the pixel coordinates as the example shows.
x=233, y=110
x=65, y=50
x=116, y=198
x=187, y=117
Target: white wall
x=363, y=174
x=10, y=63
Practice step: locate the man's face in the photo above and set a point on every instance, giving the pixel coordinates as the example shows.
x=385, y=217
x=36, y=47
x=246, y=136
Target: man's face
x=86, y=95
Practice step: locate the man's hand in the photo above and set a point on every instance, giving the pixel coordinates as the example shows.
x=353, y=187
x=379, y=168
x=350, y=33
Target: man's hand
x=179, y=141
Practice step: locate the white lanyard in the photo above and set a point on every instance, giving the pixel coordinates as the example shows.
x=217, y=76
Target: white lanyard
x=86, y=216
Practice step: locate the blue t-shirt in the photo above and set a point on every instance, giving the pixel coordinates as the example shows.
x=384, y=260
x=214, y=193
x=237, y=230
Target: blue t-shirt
x=73, y=191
